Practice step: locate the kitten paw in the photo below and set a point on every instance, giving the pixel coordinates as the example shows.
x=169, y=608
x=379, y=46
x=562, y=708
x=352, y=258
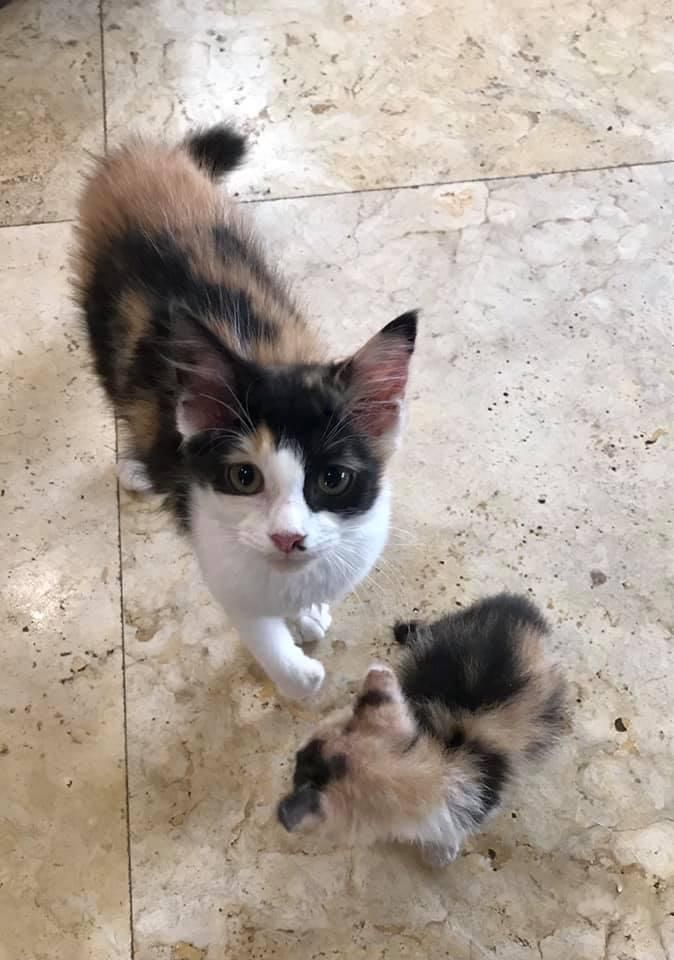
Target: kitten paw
x=133, y=476
x=435, y=855
x=313, y=623
x=303, y=679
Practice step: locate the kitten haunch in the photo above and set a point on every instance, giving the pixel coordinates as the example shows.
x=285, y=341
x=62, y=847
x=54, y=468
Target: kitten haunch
x=427, y=755
x=272, y=457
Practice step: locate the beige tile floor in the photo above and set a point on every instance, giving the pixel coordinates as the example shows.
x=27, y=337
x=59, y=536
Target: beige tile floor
x=140, y=755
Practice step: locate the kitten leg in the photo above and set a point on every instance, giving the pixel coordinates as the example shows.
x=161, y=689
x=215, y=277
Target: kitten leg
x=270, y=642
x=133, y=475
x=438, y=855
x=313, y=623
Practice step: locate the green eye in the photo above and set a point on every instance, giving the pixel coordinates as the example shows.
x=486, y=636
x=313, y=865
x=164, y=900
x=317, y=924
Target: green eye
x=335, y=480
x=245, y=478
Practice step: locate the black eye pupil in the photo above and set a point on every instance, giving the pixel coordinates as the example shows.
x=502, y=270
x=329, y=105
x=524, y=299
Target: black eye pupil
x=246, y=476
x=333, y=477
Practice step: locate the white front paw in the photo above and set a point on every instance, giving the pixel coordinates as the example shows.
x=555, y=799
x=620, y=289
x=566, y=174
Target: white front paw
x=302, y=679
x=314, y=623
x=133, y=476
x=436, y=855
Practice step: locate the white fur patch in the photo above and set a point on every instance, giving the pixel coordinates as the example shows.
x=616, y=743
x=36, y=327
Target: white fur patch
x=441, y=829
x=449, y=825
x=314, y=623
x=248, y=574
x=253, y=580
x=133, y=475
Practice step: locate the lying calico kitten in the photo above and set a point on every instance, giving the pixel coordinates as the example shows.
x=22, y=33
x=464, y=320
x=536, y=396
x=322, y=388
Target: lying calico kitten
x=426, y=756
x=273, y=459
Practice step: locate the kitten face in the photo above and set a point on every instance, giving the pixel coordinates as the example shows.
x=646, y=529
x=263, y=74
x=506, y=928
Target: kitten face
x=292, y=476
x=288, y=465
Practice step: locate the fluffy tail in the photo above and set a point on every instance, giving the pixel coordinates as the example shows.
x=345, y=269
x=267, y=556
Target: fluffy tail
x=217, y=150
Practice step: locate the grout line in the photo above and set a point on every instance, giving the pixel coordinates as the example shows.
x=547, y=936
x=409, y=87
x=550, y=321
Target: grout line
x=391, y=188
x=129, y=868
x=501, y=178
x=35, y=223
x=124, y=701
x=104, y=96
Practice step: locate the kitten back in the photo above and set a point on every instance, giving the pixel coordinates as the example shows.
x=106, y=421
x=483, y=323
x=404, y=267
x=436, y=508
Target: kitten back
x=483, y=674
x=202, y=348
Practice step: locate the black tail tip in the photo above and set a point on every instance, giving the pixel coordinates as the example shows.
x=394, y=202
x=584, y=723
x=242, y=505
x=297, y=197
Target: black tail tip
x=405, y=632
x=217, y=150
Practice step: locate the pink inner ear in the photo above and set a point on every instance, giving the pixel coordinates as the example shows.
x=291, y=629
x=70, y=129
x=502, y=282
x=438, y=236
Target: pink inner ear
x=379, y=379
x=203, y=412
x=207, y=401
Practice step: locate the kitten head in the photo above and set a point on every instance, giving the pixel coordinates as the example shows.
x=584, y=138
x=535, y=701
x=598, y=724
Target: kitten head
x=366, y=773
x=290, y=460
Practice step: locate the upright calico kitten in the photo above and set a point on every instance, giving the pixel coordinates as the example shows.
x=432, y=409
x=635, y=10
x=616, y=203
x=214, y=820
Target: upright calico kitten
x=427, y=755
x=271, y=458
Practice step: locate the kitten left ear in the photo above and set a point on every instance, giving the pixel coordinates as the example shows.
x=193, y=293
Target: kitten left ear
x=207, y=372
x=377, y=376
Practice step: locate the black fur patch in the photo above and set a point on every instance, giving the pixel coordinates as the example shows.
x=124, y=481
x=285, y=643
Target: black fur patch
x=456, y=740
x=230, y=245
x=217, y=149
x=296, y=806
x=472, y=661
x=299, y=415
x=405, y=324
x=313, y=769
x=372, y=698
x=404, y=632
x=494, y=773
x=159, y=267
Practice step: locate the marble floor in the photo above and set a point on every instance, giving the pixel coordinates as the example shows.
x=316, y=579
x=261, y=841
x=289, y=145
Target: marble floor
x=509, y=169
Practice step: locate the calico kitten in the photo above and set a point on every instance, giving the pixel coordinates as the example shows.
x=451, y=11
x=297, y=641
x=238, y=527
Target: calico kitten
x=426, y=756
x=272, y=458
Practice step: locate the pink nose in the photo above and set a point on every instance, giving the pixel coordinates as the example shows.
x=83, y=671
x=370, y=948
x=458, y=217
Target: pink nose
x=286, y=542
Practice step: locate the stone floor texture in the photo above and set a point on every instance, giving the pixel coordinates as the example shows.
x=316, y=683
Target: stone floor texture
x=509, y=169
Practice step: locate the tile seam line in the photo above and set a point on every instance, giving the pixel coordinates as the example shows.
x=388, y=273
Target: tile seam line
x=499, y=178
x=125, y=713
x=124, y=700
x=104, y=95
x=392, y=188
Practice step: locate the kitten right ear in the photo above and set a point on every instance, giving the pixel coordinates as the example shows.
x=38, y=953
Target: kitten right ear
x=207, y=373
x=377, y=376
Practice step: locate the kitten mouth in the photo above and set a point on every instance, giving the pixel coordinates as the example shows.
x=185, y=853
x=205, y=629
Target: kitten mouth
x=290, y=561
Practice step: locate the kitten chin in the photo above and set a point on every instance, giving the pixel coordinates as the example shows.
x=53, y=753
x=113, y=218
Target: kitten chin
x=271, y=456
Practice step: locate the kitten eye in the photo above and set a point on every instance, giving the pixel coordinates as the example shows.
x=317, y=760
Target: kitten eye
x=335, y=480
x=245, y=478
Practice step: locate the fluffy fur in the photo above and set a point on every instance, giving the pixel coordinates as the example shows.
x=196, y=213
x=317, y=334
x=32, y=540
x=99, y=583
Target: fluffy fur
x=272, y=459
x=426, y=755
